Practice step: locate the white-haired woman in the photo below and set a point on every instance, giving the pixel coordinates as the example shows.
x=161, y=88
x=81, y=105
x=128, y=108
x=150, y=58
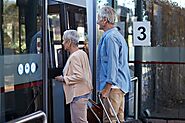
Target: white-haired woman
x=76, y=77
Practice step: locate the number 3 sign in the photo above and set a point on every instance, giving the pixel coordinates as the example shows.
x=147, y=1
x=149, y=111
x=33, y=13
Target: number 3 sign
x=141, y=33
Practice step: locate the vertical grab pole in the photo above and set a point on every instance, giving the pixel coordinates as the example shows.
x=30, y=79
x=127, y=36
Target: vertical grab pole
x=45, y=56
x=91, y=23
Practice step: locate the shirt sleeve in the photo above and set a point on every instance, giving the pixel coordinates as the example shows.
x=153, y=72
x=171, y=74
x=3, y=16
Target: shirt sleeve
x=112, y=52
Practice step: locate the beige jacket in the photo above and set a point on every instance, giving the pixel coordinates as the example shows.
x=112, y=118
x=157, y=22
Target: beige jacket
x=77, y=76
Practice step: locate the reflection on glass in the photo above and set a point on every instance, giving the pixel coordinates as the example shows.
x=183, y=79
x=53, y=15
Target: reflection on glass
x=81, y=33
x=11, y=27
x=125, y=11
x=55, y=26
x=20, y=89
x=9, y=83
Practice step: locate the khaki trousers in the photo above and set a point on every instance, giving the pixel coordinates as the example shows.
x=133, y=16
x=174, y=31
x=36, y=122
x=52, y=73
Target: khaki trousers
x=117, y=99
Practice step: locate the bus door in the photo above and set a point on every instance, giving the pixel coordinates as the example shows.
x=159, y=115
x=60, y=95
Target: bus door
x=62, y=16
x=56, y=60
x=21, y=75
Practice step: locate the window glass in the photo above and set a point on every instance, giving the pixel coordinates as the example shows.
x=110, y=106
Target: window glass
x=163, y=62
x=20, y=58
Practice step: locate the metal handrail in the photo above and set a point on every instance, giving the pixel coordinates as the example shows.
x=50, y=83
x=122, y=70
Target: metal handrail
x=30, y=117
x=135, y=79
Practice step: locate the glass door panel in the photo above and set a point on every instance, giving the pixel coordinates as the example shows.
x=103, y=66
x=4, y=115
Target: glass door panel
x=20, y=58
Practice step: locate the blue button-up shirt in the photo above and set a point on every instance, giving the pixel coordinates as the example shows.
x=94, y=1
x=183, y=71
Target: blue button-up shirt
x=112, y=61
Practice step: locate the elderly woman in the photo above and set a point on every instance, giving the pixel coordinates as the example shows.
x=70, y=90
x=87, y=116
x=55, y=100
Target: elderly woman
x=76, y=77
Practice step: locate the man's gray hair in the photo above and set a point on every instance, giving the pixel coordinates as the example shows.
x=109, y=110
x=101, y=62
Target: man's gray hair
x=71, y=35
x=107, y=12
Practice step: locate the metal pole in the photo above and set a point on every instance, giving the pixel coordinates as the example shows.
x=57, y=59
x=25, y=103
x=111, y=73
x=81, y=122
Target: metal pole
x=138, y=57
x=45, y=56
x=139, y=10
x=91, y=21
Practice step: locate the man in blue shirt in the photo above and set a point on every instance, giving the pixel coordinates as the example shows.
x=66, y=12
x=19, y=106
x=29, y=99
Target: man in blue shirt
x=113, y=74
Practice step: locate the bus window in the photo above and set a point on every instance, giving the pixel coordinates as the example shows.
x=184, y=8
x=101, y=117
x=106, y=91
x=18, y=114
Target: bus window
x=21, y=72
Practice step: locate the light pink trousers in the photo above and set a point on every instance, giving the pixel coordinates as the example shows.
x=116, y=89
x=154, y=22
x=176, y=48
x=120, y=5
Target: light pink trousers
x=79, y=111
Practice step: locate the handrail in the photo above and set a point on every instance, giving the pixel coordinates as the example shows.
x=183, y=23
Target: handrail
x=30, y=117
x=135, y=79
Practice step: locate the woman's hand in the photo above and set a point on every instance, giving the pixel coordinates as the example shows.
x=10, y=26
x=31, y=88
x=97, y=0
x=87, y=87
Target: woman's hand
x=59, y=78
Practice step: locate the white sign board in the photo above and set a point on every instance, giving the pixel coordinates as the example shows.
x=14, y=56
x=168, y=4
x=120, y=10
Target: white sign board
x=142, y=33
